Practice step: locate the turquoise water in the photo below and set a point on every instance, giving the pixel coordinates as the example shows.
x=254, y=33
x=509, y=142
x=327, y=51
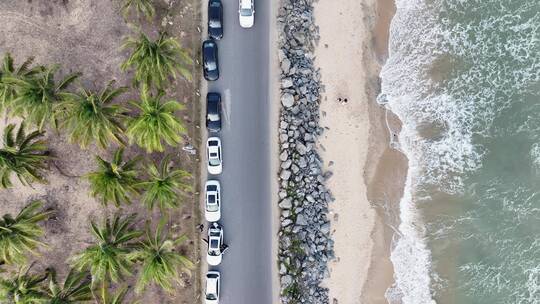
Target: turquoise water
x=464, y=78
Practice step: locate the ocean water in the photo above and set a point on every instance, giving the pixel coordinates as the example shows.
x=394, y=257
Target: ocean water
x=464, y=78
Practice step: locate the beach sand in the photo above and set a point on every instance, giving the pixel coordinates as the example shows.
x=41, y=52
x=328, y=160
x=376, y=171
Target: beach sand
x=355, y=147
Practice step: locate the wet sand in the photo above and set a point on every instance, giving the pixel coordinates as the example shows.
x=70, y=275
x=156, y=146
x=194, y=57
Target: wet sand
x=368, y=175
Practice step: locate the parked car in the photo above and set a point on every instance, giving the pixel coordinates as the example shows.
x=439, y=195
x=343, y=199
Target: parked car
x=215, y=19
x=210, y=60
x=246, y=12
x=215, y=243
x=213, y=284
x=212, y=211
x=213, y=112
x=213, y=151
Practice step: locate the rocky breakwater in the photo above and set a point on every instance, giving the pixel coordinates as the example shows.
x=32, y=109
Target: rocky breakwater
x=305, y=245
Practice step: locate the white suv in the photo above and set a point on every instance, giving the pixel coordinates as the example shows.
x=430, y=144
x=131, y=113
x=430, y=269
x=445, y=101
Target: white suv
x=246, y=12
x=215, y=243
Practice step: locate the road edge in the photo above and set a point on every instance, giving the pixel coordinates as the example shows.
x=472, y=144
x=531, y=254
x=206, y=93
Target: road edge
x=274, y=107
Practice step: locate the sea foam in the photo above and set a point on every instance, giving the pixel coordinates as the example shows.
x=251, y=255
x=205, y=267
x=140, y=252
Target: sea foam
x=445, y=81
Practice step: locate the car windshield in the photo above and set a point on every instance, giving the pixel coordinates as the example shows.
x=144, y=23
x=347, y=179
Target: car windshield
x=213, y=117
x=214, y=161
x=214, y=23
x=212, y=207
x=211, y=296
x=245, y=12
x=210, y=65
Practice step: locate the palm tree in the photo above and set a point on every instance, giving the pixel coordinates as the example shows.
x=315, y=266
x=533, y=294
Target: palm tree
x=20, y=234
x=23, y=288
x=156, y=61
x=75, y=289
x=7, y=90
x=24, y=156
x=164, y=185
x=160, y=261
x=156, y=121
x=37, y=95
x=108, y=258
x=142, y=7
x=91, y=116
x=115, y=181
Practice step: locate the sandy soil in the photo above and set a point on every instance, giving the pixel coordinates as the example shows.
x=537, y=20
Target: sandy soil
x=353, y=145
x=85, y=36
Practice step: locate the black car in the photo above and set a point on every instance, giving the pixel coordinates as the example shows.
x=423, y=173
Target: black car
x=215, y=19
x=213, y=112
x=210, y=60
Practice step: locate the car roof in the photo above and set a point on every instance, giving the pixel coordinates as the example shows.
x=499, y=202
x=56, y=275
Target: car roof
x=209, y=43
x=211, y=284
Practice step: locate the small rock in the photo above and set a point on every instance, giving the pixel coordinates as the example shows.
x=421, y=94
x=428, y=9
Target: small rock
x=287, y=100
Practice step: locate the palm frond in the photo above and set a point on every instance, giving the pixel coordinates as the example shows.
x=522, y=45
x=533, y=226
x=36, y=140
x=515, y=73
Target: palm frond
x=20, y=235
x=117, y=298
x=75, y=289
x=38, y=95
x=89, y=116
x=164, y=186
x=115, y=181
x=23, y=287
x=108, y=259
x=141, y=7
x=156, y=62
x=24, y=156
x=155, y=122
x=161, y=261
x=7, y=89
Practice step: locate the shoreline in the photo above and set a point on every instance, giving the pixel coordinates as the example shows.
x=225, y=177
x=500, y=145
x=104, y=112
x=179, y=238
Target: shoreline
x=362, y=216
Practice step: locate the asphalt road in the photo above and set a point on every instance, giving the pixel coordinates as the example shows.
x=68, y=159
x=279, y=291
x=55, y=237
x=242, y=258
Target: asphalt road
x=246, y=270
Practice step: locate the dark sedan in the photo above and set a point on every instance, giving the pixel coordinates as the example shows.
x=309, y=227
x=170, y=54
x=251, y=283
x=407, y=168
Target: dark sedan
x=215, y=19
x=210, y=60
x=213, y=112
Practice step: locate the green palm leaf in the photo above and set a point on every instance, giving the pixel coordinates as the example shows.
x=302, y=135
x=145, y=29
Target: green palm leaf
x=108, y=259
x=160, y=261
x=20, y=235
x=115, y=181
x=37, y=95
x=23, y=155
x=90, y=116
x=164, y=186
x=7, y=89
x=23, y=288
x=75, y=289
x=155, y=122
x=117, y=298
x=141, y=7
x=155, y=62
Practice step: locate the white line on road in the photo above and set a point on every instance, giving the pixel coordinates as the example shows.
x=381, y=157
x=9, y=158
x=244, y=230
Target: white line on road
x=227, y=104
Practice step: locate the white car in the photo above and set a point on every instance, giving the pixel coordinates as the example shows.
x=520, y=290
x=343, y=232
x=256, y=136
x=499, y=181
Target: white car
x=246, y=12
x=215, y=243
x=212, y=212
x=212, y=287
x=213, y=151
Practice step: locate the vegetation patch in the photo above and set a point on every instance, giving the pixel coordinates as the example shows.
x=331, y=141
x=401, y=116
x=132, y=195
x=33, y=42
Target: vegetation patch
x=98, y=99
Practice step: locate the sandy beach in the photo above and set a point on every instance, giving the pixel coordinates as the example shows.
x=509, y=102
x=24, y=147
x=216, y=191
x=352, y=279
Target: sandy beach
x=355, y=142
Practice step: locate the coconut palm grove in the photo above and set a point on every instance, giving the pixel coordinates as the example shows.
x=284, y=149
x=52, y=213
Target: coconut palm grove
x=42, y=99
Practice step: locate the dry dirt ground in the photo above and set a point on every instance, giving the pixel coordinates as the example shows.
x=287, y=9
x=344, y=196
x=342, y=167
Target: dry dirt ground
x=85, y=36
